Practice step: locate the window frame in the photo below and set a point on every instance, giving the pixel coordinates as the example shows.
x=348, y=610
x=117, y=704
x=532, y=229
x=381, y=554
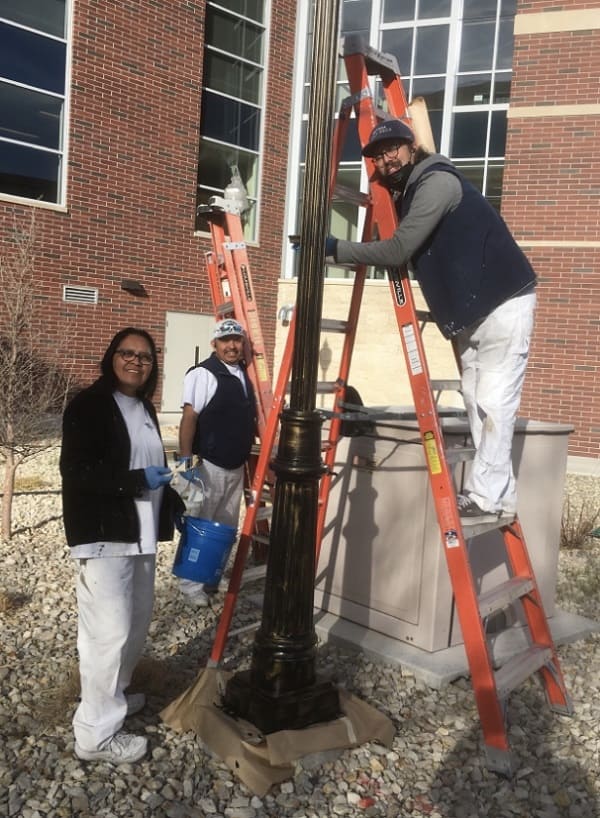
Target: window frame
x=62, y=151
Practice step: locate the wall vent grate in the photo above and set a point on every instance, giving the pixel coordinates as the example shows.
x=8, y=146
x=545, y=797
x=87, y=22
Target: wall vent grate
x=80, y=295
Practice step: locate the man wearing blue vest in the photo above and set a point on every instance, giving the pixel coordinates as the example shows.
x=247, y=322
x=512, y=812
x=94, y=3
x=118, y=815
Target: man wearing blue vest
x=218, y=426
x=480, y=290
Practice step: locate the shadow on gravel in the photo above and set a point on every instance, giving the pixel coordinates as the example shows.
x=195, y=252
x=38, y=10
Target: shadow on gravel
x=544, y=785
x=40, y=524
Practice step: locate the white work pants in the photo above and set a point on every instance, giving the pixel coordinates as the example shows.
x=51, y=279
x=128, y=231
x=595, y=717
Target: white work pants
x=493, y=356
x=115, y=596
x=222, y=499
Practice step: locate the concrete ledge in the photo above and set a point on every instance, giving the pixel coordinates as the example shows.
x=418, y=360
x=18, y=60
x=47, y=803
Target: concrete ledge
x=440, y=668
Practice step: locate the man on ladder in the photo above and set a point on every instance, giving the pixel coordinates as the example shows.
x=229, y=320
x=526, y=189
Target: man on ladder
x=479, y=287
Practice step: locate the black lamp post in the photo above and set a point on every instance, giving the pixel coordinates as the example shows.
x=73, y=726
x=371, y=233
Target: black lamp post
x=282, y=689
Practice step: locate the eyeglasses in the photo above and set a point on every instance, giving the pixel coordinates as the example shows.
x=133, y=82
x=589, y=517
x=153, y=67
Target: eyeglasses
x=392, y=151
x=128, y=355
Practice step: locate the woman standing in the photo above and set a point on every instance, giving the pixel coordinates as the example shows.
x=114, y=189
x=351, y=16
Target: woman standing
x=115, y=508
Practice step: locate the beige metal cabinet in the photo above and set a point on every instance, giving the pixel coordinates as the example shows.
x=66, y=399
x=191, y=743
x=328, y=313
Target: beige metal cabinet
x=382, y=565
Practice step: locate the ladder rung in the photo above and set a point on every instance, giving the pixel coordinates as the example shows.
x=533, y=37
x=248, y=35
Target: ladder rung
x=521, y=667
x=351, y=195
x=445, y=385
x=253, y=626
x=263, y=539
x=424, y=315
x=264, y=513
x=226, y=308
x=504, y=594
x=333, y=325
x=473, y=526
x=256, y=572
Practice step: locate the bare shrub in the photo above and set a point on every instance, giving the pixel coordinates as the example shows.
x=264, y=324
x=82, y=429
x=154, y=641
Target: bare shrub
x=33, y=392
x=576, y=526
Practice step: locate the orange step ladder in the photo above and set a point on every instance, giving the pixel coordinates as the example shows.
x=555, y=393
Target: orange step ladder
x=491, y=685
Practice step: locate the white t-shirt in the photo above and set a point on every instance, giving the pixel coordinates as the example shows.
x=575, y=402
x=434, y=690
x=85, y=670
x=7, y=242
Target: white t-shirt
x=200, y=385
x=146, y=450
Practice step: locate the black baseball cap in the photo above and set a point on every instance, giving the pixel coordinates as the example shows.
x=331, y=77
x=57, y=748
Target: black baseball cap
x=389, y=129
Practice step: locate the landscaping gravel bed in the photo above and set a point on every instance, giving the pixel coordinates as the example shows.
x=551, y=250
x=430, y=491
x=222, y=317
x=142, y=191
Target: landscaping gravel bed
x=435, y=767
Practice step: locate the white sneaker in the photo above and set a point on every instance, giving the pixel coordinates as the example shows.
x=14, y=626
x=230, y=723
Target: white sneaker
x=135, y=703
x=122, y=748
x=198, y=599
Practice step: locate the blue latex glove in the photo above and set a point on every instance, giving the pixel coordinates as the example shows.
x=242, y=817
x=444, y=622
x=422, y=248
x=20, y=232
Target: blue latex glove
x=157, y=476
x=330, y=247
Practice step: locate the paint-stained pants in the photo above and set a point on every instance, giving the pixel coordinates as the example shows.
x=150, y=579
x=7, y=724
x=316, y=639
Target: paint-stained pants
x=493, y=356
x=115, y=596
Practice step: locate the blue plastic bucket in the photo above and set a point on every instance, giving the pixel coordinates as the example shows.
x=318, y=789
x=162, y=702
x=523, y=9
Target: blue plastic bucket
x=203, y=550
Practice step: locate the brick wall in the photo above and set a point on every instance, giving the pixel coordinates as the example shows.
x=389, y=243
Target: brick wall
x=550, y=200
x=133, y=136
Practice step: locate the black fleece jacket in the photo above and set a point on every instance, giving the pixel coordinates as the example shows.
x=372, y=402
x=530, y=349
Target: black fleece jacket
x=98, y=487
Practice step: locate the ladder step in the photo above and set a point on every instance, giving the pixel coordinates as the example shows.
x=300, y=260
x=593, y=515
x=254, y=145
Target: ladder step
x=351, y=195
x=473, y=526
x=256, y=572
x=376, y=62
x=424, y=315
x=504, y=594
x=521, y=667
x=226, y=308
x=445, y=385
x=263, y=539
x=333, y=325
x=264, y=513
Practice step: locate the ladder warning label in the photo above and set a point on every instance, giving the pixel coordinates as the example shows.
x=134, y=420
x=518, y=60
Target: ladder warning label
x=431, y=452
x=412, y=350
x=451, y=538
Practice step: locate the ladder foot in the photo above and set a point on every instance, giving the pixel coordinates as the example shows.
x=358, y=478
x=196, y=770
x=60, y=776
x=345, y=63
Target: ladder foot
x=499, y=761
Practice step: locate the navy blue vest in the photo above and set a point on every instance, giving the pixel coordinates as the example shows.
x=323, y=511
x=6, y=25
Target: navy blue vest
x=226, y=426
x=470, y=264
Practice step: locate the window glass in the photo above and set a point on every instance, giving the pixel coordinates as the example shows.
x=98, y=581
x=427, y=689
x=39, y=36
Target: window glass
x=431, y=50
x=232, y=34
x=43, y=15
x=230, y=121
x=248, y=8
x=433, y=8
x=30, y=173
x=232, y=76
x=505, y=44
x=399, y=43
x=398, y=11
x=30, y=59
x=469, y=135
x=498, y=133
x=473, y=89
x=29, y=116
x=477, y=49
x=479, y=9
x=502, y=88
x=356, y=16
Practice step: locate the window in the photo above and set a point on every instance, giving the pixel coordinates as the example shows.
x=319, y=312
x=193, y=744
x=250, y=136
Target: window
x=232, y=103
x=33, y=62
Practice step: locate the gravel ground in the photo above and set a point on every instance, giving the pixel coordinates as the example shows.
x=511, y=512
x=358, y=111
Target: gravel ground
x=435, y=767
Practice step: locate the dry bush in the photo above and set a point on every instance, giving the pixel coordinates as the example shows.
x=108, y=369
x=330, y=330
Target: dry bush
x=576, y=526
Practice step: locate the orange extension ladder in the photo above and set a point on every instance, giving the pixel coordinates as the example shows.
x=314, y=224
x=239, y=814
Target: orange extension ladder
x=491, y=685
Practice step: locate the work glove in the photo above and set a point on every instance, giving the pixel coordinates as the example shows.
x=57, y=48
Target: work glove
x=331, y=247
x=157, y=476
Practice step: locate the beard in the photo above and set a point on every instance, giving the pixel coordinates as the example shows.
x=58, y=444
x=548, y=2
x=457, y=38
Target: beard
x=396, y=181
